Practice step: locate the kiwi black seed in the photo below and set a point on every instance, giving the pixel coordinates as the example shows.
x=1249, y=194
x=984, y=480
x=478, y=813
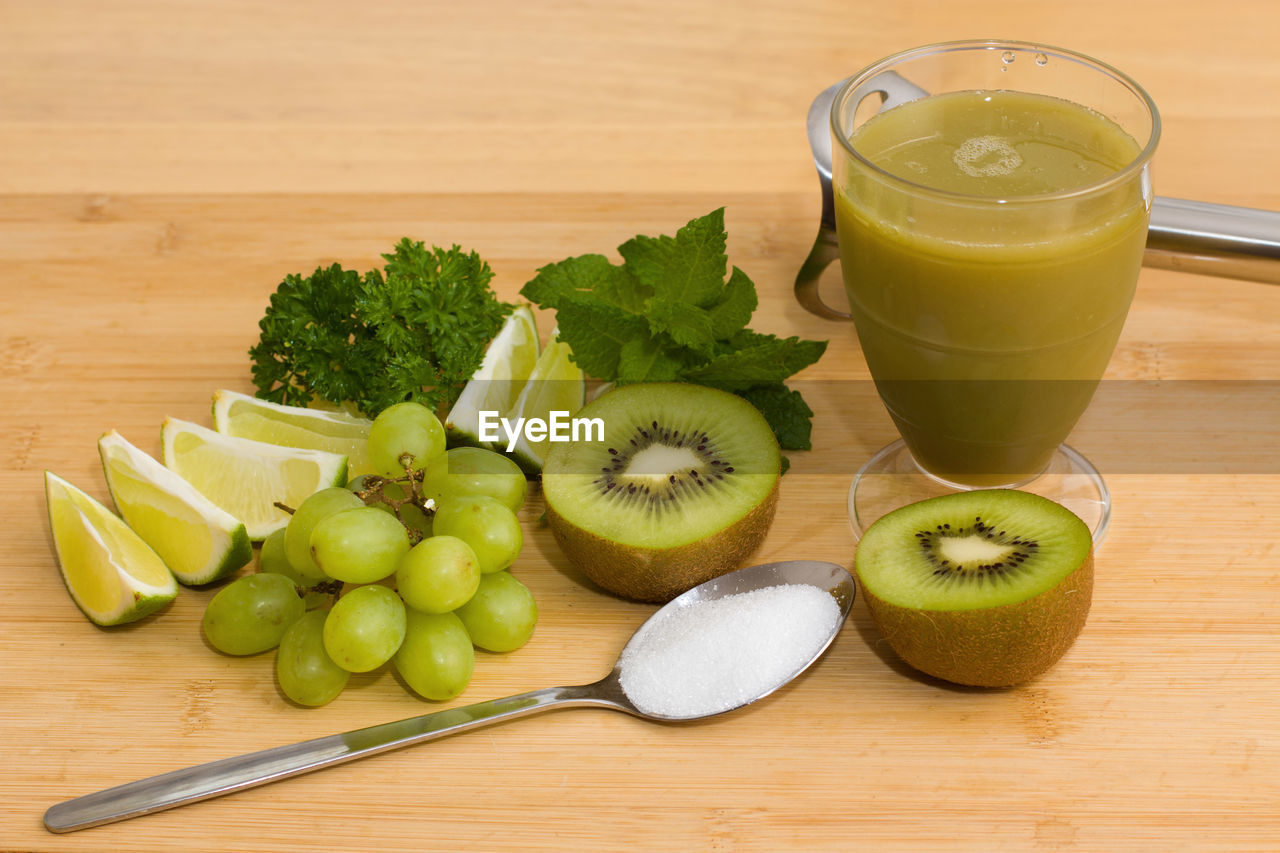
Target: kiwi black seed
x=986, y=588
x=661, y=493
x=681, y=488
x=1010, y=563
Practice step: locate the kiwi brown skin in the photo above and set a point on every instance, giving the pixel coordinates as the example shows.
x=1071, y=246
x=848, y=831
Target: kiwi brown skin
x=660, y=574
x=989, y=647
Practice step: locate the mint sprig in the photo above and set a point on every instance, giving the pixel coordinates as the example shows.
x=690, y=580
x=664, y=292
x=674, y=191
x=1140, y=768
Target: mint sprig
x=667, y=313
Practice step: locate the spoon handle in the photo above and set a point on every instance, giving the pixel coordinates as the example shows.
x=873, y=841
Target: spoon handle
x=237, y=773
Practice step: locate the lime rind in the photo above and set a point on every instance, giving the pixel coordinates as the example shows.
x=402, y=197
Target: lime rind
x=112, y=575
x=335, y=431
x=556, y=384
x=497, y=384
x=198, y=540
x=246, y=478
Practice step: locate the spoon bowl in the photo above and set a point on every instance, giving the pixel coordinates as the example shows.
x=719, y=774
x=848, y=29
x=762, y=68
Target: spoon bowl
x=825, y=576
x=227, y=775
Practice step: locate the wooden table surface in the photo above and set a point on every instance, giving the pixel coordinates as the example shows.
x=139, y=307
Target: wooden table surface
x=164, y=165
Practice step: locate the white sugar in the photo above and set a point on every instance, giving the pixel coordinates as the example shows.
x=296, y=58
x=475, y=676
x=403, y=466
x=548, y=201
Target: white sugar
x=712, y=655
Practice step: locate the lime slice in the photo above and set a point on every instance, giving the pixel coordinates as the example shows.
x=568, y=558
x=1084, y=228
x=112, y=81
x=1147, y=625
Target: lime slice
x=112, y=575
x=496, y=385
x=245, y=477
x=197, y=540
x=341, y=432
x=556, y=385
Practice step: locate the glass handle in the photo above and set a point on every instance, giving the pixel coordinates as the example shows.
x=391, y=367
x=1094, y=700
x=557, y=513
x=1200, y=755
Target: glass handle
x=824, y=251
x=1214, y=239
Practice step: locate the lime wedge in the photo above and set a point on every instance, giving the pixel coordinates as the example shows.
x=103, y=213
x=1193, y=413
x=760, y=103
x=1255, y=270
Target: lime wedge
x=556, y=385
x=245, y=477
x=497, y=384
x=341, y=432
x=112, y=575
x=198, y=541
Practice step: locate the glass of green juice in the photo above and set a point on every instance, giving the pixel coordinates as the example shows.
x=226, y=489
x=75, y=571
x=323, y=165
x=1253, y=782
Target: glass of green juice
x=991, y=224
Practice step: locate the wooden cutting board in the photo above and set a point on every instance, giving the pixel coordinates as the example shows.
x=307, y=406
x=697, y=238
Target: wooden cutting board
x=1158, y=725
x=165, y=168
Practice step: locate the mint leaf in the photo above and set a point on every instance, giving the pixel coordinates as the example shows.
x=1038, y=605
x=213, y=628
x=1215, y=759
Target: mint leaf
x=786, y=411
x=586, y=277
x=736, y=305
x=688, y=325
x=762, y=359
x=667, y=314
x=620, y=289
x=647, y=360
x=646, y=257
x=596, y=333
x=693, y=273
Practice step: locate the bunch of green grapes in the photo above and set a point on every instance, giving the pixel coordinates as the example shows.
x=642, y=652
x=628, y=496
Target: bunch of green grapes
x=409, y=566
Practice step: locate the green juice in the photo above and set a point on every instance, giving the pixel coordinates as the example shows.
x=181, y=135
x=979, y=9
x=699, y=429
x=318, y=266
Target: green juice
x=989, y=292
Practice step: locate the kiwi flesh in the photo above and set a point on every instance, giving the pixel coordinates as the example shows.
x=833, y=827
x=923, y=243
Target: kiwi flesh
x=681, y=489
x=987, y=588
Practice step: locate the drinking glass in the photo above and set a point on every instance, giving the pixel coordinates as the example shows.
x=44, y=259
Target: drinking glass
x=991, y=226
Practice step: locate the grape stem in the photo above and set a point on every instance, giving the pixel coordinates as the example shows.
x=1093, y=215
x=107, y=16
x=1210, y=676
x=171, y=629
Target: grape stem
x=329, y=587
x=373, y=491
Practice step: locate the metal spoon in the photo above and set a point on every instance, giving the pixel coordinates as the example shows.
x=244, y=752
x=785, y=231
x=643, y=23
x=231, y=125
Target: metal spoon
x=226, y=775
x=1190, y=236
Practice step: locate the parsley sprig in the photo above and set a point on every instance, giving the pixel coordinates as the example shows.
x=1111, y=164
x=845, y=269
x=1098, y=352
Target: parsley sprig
x=666, y=313
x=415, y=330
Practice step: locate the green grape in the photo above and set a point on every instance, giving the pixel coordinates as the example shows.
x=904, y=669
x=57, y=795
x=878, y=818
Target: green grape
x=436, y=658
x=251, y=614
x=358, y=545
x=501, y=615
x=272, y=560
x=297, y=534
x=364, y=628
x=486, y=525
x=306, y=673
x=438, y=575
x=466, y=471
x=359, y=484
x=405, y=430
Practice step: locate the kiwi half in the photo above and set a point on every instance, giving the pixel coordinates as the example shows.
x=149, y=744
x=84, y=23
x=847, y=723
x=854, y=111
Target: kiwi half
x=987, y=588
x=682, y=488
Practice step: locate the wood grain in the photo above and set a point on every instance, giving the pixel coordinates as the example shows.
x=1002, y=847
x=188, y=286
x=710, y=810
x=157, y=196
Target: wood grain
x=163, y=166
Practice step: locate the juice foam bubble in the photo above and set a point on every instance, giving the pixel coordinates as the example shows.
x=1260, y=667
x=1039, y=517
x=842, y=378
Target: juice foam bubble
x=986, y=157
